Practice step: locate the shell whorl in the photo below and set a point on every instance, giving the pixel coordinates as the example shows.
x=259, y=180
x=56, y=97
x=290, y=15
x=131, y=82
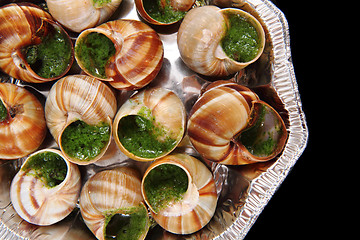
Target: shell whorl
x=40, y=205
x=109, y=190
x=219, y=115
x=67, y=13
x=197, y=207
x=138, y=57
x=23, y=133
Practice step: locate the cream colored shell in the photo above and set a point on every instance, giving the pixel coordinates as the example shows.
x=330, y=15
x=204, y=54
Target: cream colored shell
x=40, y=205
x=79, y=97
x=20, y=27
x=198, y=205
x=138, y=57
x=110, y=190
x=78, y=15
x=199, y=41
x=164, y=105
x=24, y=129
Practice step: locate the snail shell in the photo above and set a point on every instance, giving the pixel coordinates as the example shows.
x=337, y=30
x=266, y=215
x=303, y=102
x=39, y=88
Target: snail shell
x=199, y=41
x=198, y=204
x=138, y=57
x=23, y=25
x=23, y=129
x=79, y=97
x=78, y=15
x=38, y=204
x=109, y=192
x=163, y=109
x=220, y=126
x=176, y=5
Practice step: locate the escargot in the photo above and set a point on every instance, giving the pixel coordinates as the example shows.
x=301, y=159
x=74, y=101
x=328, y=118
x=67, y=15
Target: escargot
x=229, y=124
x=78, y=15
x=22, y=122
x=180, y=192
x=79, y=111
x=112, y=206
x=33, y=47
x=150, y=124
x=127, y=53
x=46, y=188
x=219, y=42
x=163, y=12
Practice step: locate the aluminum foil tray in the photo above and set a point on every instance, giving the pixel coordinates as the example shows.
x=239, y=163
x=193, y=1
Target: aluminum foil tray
x=243, y=190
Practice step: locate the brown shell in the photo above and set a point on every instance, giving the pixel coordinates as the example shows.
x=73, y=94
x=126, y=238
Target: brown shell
x=23, y=131
x=138, y=57
x=219, y=117
x=21, y=25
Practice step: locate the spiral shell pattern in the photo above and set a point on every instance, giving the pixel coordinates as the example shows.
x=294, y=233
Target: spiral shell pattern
x=67, y=12
x=23, y=131
x=78, y=97
x=198, y=205
x=40, y=205
x=138, y=57
x=20, y=25
x=109, y=190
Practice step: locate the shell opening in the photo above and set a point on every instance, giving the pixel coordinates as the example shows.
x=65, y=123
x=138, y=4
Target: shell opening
x=143, y=137
x=242, y=41
x=47, y=166
x=85, y=142
x=264, y=135
x=50, y=55
x=164, y=185
x=131, y=223
x=164, y=11
x=93, y=52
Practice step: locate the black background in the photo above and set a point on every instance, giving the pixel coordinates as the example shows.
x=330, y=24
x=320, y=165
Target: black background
x=297, y=209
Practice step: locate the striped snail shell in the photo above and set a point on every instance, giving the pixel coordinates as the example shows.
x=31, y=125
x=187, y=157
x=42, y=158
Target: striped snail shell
x=190, y=211
x=92, y=13
x=230, y=125
x=23, y=27
x=150, y=124
x=135, y=53
x=32, y=196
x=109, y=193
x=73, y=101
x=22, y=122
x=200, y=36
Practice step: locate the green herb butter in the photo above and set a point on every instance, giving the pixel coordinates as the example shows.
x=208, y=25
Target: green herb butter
x=164, y=184
x=51, y=57
x=127, y=226
x=241, y=41
x=141, y=137
x=94, y=52
x=84, y=142
x=47, y=166
x=3, y=111
x=163, y=14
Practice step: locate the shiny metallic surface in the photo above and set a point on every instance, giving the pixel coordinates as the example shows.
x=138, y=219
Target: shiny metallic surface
x=243, y=191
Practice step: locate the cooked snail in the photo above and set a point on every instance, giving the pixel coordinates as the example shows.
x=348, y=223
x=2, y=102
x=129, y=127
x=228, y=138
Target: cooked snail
x=79, y=111
x=33, y=47
x=22, y=122
x=219, y=42
x=46, y=188
x=230, y=125
x=78, y=15
x=163, y=12
x=112, y=206
x=150, y=124
x=181, y=193
x=127, y=53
